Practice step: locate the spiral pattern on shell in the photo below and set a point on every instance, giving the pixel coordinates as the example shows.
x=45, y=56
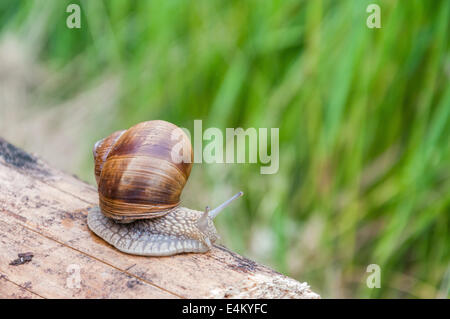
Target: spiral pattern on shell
x=136, y=175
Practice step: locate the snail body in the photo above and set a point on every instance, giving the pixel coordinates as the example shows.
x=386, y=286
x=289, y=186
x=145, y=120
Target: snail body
x=139, y=186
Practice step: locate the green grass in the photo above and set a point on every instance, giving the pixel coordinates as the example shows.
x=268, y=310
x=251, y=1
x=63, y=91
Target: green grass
x=363, y=115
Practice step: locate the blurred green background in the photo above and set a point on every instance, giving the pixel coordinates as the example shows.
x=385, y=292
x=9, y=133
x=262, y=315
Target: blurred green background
x=363, y=114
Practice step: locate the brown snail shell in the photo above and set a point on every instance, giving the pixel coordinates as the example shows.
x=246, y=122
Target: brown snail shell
x=136, y=175
x=101, y=151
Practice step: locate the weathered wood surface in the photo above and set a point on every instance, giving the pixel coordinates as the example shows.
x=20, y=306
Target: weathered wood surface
x=43, y=211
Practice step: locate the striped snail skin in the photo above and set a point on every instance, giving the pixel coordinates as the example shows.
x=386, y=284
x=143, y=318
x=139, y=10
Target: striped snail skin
x=139, y=188
x=180, y=231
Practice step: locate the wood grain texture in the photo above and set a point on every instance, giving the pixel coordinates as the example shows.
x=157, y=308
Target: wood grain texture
x=44, y=211
x=11, y=290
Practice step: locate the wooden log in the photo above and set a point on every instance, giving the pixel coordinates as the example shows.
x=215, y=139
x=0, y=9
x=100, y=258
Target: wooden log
x=43, y=212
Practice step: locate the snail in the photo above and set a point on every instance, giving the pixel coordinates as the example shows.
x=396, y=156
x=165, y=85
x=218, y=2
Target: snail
x=139, y=186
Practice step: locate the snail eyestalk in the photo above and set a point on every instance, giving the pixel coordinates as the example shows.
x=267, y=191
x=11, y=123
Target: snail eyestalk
x=213, y=213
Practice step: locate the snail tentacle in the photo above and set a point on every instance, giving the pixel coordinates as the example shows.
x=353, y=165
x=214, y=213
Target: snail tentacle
x=213, y=213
